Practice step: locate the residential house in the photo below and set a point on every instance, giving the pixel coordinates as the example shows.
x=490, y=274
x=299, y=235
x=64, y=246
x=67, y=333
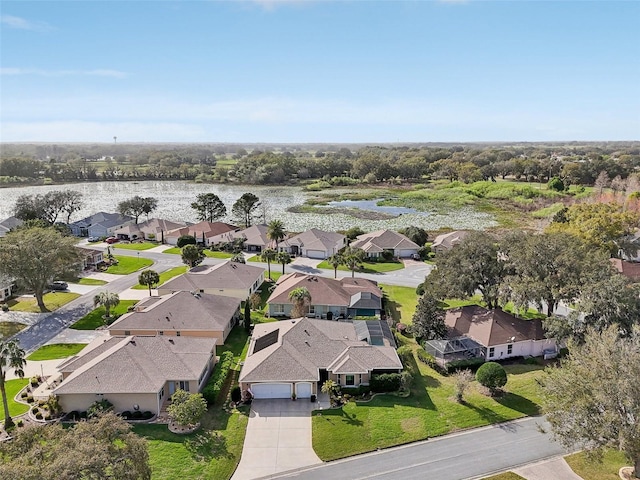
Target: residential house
x=7, y=288
x=298, y=356
x=183, y=314
x=477, y=332
x=254, y=238
x=205, y=233
x=631, y=270
x=135, y=372
x=228, y=279
x=153, y=230
x=447, y=241
x=330, y=298
x=374, y=243
x=9, y=224
x=91, y=258
x=314, y=243
x=101, y=224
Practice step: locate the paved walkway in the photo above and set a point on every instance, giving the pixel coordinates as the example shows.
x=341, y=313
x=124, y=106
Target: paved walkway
x=278, y=437
x=159, y=248
x=553, y=469
x=134, y=294
x=107, y=277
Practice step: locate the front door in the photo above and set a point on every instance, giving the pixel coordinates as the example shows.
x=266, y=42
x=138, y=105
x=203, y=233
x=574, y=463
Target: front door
x=172, y=388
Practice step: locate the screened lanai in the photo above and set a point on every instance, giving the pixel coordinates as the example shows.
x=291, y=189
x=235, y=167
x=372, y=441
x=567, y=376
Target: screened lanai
x=458, y=348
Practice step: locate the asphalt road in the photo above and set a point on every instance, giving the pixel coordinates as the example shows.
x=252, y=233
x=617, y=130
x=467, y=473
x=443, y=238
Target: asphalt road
x=468, y=455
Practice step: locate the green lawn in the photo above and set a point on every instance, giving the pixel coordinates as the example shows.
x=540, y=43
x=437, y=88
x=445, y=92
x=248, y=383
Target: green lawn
x=135, y=246
x=202, y=454
x=93, y=319
x=10, y=328
x=367, y=267
x=15, y=408
x=259, y=316
x=127, y=265
x=429, y=411
x=401, y=302
x=165, y=276
x=590, y=469
x=505, y=476
x=57, y=350
x=52, y=300
x=90, y=281
x=208, y=253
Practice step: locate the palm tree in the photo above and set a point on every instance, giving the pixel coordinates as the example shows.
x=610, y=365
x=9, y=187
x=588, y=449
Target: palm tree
x=149, y=278
x=268, y=255
x=275, y=231
x=11, y=356
x=330, y=388
x=352, y=259
x=284, y=258
x=301, y=299
x=106, y=300
x=335, y=261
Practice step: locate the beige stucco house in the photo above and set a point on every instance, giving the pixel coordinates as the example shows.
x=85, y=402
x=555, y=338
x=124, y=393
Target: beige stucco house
x=135, y=372
x=228, y=279
x=181, y=314
x=375, y=243
x=298, y=355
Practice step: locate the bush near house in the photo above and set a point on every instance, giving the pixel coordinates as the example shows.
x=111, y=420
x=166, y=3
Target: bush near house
x=213, y=387
x=492, y=375
x=385, y=382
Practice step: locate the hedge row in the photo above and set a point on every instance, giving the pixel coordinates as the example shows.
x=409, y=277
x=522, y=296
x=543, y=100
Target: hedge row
x=471, y=363
x=220, y=372
x=385, y=382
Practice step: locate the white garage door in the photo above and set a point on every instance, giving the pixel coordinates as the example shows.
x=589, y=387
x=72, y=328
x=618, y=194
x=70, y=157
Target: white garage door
x=316, y=254
x=303, y=390
x=271, y=390
x=407, y=253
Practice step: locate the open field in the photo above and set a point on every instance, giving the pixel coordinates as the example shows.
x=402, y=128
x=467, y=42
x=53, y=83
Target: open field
x=52, y=300
x=55, y=351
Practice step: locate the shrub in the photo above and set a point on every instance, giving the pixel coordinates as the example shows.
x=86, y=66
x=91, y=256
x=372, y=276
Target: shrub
x=236, y=394
x=405, y=354
x=137, y=415
x=220, y=372
x=385, y=382
x=47, y=417
x=463, y=379
x=24, y=395
x=427, y=358
x=186, y=240
x=470, y=363
x=126, y=414
x=29, y=399
x=5, y=307
x=99, y=407
x=147, y=415
x=420, y=289
x=401, y=327
x=39, y=416
x=531, y=361
x=386, y=255
x=186, y=408
x=555, y=184
x=406, y=380
x=492, y=375
x=35, y=410
x=83, y=415
x=19, y=423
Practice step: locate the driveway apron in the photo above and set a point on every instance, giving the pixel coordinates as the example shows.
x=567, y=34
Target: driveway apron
x=278, y=438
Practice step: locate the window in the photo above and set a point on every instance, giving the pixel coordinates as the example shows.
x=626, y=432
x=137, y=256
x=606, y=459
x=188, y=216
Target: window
x=178, y=333
x=161, y=332
x=277, y=308
x=492, y=351
x=509, y=349
x=350, y=380
x=184, y=385
x=161, y=394
x=127, y=332
x=312, y=309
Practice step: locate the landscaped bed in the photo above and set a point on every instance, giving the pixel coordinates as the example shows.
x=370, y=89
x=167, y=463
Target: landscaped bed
x=429, y=411
x=52, y=300
x=165, y=276
x=93, y=319
x=57, y=350
x=127, y=265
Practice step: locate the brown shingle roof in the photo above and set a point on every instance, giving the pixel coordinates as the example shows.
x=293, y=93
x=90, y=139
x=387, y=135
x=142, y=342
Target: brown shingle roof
x=628, y=269
x=491, y=327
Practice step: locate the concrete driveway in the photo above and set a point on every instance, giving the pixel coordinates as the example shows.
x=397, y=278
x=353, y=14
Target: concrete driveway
x=278, y=438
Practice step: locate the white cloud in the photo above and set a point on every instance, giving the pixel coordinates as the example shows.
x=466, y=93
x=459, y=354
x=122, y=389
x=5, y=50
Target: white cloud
x=62, y=73
x=24, y=24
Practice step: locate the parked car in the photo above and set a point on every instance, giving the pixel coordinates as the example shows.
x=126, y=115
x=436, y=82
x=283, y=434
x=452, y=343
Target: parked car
x=93, y=239
x=112, y=240
x=58, y=285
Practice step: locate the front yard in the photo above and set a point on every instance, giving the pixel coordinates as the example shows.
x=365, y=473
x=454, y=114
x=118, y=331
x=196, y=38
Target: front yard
x=135, y=246
x=52, y=300
x=127, y=265
x=55, y=351
x=367, y=267
x=93, y=319
x=7, y=329
x=208, y=253
x=429, y=411
x=15, y=408
x=591, y=469
x=165, y=276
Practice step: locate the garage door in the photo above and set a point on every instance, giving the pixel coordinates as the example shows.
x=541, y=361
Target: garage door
x=407, y=253
x=271, y=390
x=303, y=390
x=316, y=254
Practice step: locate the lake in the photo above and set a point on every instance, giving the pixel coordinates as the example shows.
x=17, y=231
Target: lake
x=175, y=198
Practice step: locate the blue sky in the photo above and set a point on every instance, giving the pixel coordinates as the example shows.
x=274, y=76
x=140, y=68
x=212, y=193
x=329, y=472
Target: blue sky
x=297, y=71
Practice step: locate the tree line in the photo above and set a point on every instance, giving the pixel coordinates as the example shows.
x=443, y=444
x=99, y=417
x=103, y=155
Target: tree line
x=574, y=164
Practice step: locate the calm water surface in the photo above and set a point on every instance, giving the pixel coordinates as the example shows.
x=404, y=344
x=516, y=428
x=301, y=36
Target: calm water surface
x=175, y=198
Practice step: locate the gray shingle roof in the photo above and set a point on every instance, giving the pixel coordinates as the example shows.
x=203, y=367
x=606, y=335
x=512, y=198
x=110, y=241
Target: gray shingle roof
x=305, y=345
x=376, y=242
x=223, y=275
x=180, y=311
x=136, y=364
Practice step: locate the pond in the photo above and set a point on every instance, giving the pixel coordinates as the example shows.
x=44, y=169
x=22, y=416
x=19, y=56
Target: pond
x=175, y=198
